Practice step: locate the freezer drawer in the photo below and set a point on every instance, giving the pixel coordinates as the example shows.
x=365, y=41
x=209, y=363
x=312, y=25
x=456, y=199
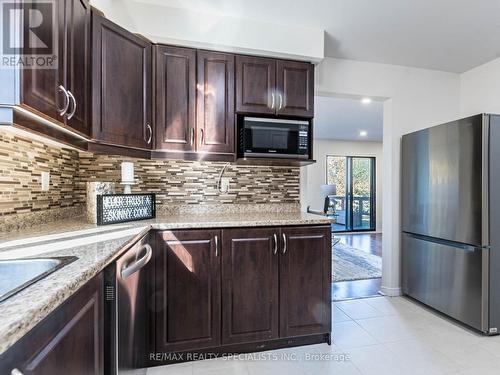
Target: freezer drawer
x=445, y=277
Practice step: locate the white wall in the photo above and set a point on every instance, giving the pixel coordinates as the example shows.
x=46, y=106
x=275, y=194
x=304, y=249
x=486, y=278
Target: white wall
x=316, y=175
x=201, y=29
x=480, y=89
x=416, y=98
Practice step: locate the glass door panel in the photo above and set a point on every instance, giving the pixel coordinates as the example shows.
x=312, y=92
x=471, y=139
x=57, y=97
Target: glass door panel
x=337, y=175
x=362, y=186
x=354, y=178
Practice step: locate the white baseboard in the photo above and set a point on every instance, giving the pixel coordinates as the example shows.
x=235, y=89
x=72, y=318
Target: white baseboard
x=390, y=292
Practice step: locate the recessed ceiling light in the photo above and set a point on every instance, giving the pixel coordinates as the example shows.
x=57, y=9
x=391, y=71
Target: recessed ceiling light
x=366, y=100
x=363, y=133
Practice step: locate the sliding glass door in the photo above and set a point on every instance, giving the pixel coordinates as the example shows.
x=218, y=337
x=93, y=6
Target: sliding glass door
x=354, y=177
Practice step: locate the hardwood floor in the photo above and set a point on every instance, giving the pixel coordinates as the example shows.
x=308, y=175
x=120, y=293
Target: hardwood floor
x=371, y=243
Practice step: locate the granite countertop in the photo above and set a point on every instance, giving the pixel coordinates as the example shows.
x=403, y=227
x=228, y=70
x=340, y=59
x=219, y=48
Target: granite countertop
x=96, y=247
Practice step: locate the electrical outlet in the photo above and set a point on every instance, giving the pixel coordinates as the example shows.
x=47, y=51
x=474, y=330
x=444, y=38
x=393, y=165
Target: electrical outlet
x=45, y=181
x=224, y=184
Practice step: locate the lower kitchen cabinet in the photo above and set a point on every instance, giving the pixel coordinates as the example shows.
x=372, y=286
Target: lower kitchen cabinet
x=249, y=285
x=68, y=341
x=305, y=281
x=187, y=290
x=242, y=288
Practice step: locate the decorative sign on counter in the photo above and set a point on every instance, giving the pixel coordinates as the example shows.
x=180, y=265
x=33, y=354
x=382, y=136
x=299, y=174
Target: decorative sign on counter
x=119, y=208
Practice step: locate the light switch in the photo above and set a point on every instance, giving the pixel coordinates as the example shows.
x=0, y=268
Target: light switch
x=45, y=181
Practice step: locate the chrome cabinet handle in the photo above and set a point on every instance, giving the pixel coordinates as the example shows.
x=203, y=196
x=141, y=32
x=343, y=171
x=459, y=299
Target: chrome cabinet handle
x=216, y=246
x=192, y=137
x=66, y=106
x=272, y=100
x=275, y=243
x=281, y=102
x=129, y=269
x=284, y=243
x=150, y=133
x=16, y=372
x=74, y=105
x=201, y=137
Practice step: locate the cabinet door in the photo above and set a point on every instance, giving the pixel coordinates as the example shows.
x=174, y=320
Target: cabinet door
x=187, y=284
x=255, y=85
x=68, y=341
x=175, y=111
x=249, y=285
x=305, y=281
x=40, y=87
x=215, y=102
x=121, y=85
x=295, y=88
x=78, y=64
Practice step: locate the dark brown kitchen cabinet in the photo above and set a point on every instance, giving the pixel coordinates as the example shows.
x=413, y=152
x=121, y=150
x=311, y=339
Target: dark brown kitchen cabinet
x=194, y=111
x=62, y=93
x=175, y=110
x=255, y=85
x=187, y=290
x=78, y=65
x=295, y=88
x=274, y=87
x=41, y=87
x=68, y=341
x=249, y=285
x=215, y=102
x=305, y=281
x=121, y=86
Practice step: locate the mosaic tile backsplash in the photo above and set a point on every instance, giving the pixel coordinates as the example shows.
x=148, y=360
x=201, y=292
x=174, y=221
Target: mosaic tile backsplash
x=174, y=182
x=21, y=162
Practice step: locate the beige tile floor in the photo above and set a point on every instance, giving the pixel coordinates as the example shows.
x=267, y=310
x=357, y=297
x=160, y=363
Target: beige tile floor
x=371, y=336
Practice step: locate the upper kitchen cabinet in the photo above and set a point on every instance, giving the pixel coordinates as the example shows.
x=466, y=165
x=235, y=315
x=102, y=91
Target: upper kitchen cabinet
x=255, y=85
x=121, y=86
x=295, y=88
x=194, y=110
x=62, y=94
x=175, y=110
x=215, y=102
x=78, y=64
x=274, y=87
x=43, y=89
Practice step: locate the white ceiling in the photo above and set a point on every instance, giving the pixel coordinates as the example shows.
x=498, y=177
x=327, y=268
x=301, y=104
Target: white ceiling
x=344, y=118
x=450, y=35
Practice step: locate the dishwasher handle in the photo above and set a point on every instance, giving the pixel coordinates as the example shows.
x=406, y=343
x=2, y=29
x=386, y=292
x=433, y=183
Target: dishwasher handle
x=129, y=269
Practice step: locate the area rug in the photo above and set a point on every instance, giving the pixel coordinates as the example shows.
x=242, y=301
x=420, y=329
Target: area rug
x=350, y=264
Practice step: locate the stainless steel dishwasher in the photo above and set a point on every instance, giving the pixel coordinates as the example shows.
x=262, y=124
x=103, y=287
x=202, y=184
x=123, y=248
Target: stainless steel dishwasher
x=127, y=285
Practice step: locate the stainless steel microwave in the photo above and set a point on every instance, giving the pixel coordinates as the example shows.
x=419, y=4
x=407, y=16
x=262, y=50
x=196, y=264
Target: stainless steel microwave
x=269, y=137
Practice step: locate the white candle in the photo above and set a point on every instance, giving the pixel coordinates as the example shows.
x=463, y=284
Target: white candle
x=127, y=171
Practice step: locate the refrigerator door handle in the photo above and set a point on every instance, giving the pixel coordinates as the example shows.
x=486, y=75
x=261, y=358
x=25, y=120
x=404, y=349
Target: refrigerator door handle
x=458, y=245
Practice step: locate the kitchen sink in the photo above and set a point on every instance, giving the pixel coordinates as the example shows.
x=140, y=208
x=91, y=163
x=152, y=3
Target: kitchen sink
x=17, y=274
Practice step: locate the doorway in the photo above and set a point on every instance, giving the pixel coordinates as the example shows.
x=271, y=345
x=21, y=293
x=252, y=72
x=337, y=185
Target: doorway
x=354, y=178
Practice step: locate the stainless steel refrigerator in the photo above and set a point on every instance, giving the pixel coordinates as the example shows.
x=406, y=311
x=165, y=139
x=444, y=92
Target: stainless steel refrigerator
x=450, y=212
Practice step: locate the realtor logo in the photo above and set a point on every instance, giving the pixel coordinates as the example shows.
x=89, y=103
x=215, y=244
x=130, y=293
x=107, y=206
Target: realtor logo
x=29, y=34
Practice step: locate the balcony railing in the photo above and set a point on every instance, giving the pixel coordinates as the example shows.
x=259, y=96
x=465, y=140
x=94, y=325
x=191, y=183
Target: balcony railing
x=361, y=206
